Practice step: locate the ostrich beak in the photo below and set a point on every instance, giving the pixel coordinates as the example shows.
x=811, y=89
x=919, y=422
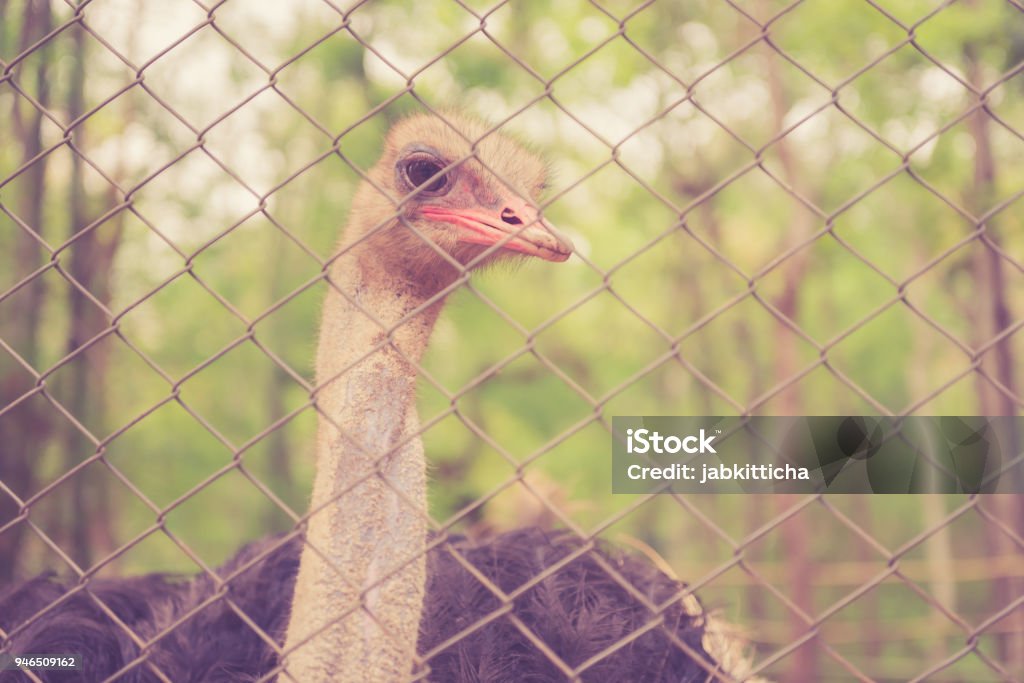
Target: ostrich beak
x=506, y=225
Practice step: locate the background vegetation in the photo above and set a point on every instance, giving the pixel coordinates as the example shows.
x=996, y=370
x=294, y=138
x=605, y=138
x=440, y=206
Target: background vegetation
x=813, y=217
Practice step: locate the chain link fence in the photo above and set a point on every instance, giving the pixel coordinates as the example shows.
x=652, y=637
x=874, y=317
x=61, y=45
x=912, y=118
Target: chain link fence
x=780, y=208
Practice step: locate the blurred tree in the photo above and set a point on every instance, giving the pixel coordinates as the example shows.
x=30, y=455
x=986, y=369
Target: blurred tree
x=25, y=427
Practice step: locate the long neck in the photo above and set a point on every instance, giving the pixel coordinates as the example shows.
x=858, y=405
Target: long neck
x=359, y=592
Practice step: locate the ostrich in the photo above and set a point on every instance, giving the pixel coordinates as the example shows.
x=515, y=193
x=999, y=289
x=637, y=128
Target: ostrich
x=364, y=593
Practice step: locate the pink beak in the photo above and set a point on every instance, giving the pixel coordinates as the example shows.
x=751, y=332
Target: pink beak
x=517, y=226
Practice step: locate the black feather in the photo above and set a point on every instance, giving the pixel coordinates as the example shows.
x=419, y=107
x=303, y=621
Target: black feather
x=191, y=630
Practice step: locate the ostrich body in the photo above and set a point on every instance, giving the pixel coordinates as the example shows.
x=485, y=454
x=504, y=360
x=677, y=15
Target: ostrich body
x=578, y=612
x=351, y=601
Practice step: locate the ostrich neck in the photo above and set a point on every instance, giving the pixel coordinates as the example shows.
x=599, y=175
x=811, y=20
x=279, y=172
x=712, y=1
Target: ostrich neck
x=359, y=592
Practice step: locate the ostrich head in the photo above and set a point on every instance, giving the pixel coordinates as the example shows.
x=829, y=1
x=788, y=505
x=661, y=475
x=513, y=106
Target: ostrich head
x=457, y=194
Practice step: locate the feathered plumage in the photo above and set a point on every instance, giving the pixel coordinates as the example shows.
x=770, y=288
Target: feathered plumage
x=193, y=630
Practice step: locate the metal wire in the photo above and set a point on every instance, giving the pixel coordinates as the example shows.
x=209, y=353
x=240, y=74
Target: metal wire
x=758, y=34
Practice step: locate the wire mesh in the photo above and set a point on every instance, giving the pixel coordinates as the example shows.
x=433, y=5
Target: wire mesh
x=792, y=213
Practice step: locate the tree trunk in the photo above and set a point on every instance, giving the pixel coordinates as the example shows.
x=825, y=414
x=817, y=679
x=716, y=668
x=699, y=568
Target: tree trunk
x=795, y=532
x=998, y=362
x=90, y=261
x=25, y=429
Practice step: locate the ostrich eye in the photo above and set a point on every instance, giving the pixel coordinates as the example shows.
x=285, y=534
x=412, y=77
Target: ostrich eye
x=423, y=172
